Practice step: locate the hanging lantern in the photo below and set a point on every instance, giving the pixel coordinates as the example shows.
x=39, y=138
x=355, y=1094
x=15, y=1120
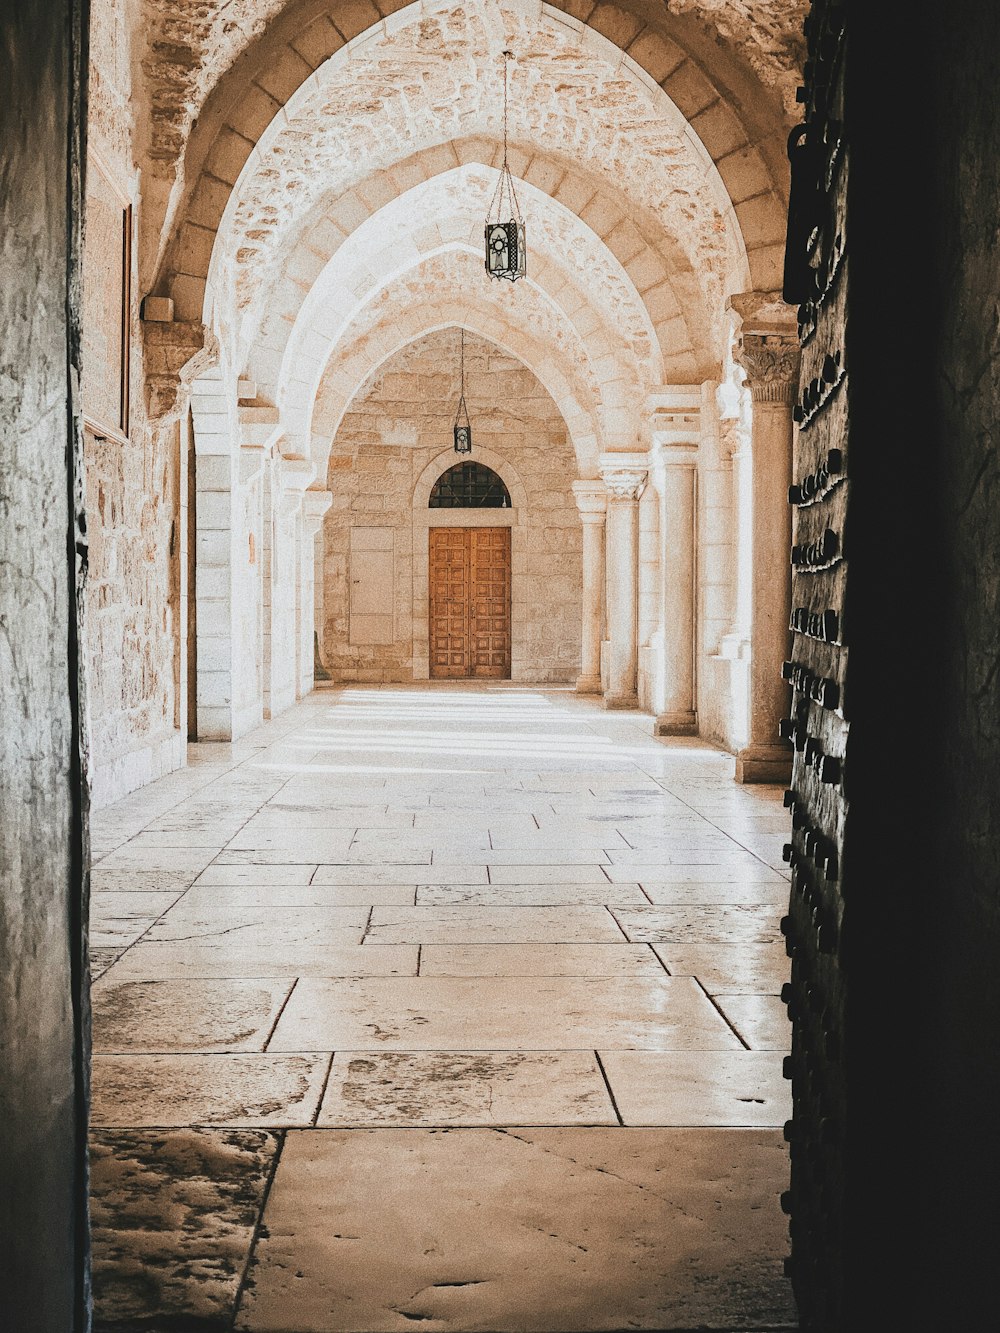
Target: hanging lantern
x=505, y=249
x=463, y=426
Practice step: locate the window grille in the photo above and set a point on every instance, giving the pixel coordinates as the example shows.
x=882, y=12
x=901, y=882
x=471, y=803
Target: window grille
x=469, y=486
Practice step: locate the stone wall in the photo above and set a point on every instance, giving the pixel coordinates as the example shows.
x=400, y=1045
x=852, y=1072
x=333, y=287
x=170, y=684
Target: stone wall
x=399, y=423
x=133, y=471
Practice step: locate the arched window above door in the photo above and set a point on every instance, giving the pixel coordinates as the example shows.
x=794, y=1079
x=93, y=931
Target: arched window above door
x=469, y=486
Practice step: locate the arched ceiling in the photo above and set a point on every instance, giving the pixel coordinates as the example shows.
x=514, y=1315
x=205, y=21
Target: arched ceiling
x=193, y=50
x=434, y=75
x=570, y=269
x=598, y=400
x=740, y=121
x=331, y=198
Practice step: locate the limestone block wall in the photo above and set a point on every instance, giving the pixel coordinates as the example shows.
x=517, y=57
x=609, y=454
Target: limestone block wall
x=134, y=471
x=397, y=426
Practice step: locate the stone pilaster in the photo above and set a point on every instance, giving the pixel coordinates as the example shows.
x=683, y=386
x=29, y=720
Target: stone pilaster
x=592, y=502
x=290, y=478
x=624, y=479
x=768, y=350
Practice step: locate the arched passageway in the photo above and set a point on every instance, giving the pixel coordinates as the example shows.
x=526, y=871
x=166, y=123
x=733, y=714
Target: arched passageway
x=489, y=900
x=281, y=196
x=438, y=899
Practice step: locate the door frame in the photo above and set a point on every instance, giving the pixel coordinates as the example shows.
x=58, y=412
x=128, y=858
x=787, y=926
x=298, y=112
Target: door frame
x=425, y=518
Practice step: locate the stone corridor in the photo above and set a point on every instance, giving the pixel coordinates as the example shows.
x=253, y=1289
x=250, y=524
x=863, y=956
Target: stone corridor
x=442, y=1006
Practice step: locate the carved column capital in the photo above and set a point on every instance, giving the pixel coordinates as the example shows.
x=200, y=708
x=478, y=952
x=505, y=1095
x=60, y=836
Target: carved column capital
x=624, y=483
x=771, y=363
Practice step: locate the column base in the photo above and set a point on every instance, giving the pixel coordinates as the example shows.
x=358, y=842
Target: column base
x=588, y=685
x=676, y=724
x=621, y=701
x=764, y=763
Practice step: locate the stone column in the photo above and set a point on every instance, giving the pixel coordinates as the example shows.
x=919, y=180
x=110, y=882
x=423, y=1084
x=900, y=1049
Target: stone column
x=674, y=478
x=624, y=481
x=314, y=506
x=768, y=351
x=592, y=502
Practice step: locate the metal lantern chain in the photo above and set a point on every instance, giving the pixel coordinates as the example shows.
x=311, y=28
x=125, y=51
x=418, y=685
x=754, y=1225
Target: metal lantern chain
x=505, y=248
x=463, y=426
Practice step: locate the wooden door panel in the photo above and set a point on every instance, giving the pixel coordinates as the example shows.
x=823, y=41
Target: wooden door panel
x=490, y=612
x=449, y=598
x=469, y=594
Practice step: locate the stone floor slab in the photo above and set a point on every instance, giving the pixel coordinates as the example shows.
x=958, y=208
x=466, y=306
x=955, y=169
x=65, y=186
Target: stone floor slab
x=464, y=924
x=546, y=874
x=261, y=927
x=738, y=923
x=243, y=1091
x=683, y=895
x=646, y=868
x=569, y=857
x=393, y=873
x=723, y=1088
x=730, y=968
x=120, y=905
x=250, y=874
x=192, y=1015
x=500, y=1013
x=203, y=897
x=139, y=881
x=302, y=844
x=539, y=960
x=434, y=1088
x=173, y=1216
x=184, y=959
x=522, y=1230
x=150, y=859
x=530, y=895
x=761, y=1020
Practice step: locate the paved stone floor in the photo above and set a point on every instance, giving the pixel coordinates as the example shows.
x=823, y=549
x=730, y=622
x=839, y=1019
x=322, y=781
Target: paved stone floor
x=443, y=1007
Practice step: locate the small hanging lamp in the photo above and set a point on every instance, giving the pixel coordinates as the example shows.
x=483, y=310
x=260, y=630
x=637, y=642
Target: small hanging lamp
x=463, y=426
x=505, y=252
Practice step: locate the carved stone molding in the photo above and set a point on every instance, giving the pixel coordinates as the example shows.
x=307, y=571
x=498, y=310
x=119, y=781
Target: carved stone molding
x=591, y=500
x=314, y=507
x=624, y=483
x=731, y=439
x=174, y=355
x=771, y=363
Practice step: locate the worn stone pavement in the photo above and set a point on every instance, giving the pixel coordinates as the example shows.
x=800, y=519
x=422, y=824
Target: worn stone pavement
x=446, y=1007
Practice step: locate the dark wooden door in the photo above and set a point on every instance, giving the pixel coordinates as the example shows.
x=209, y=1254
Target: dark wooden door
x=470, y=603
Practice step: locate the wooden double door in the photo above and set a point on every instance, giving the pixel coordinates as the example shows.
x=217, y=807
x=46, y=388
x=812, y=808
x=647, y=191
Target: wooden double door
x=470, y=603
